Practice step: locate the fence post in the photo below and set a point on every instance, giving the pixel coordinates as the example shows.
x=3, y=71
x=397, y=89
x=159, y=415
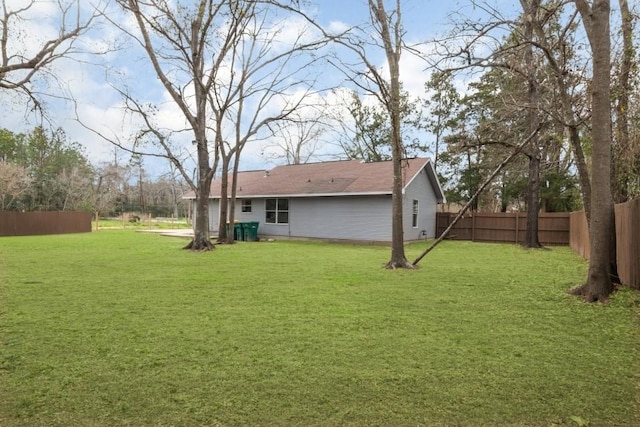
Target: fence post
x=473, y=226
x=517, y=226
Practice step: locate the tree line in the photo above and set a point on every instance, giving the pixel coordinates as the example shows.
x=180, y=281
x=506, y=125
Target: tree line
x=43, y=171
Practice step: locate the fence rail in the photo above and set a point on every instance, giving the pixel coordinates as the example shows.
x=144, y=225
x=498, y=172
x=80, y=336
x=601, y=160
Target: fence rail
x=35, y=223
x=553, y=228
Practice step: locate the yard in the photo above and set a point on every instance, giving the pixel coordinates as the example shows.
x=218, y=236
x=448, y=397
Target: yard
x=123, y=328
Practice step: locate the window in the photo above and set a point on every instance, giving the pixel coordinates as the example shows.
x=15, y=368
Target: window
x=277, y=211
x=246, y=205
x=414, y=218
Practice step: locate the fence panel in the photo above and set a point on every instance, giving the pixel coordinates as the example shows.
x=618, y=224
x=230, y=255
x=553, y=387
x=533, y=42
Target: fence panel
x=579, y=232
x=553, y=228
x=627, y=217
x=37, y=223
x=628, y=242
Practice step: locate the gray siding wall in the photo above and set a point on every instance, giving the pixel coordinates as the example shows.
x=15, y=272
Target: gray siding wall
x=421, y=190
x=214, y=212
x=366, y=218
x=353, y=218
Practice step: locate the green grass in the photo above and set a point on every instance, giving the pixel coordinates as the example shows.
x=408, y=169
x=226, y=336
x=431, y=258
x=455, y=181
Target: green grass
x=143, y=223
x=121, y=328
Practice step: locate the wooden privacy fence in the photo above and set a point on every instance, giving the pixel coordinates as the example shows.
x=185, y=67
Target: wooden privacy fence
x=553, y=228
x=34, y=223
x=627, y=240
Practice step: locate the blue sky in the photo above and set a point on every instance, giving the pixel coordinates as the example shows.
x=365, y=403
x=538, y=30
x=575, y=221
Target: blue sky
x=100, y=106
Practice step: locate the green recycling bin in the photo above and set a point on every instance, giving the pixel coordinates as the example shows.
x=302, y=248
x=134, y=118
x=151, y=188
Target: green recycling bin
x=238, y=231
x=250, y=231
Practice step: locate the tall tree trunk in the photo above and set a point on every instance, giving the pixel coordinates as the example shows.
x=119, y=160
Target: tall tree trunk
x=596, y=21
x=533, y=153
x=393, y=48
x=232, y=202
x=533, y=200
x=224, y=199
x=201, y=234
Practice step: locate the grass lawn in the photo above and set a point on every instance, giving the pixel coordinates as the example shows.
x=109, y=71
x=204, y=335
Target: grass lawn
x=117, y=328
x=142, y=224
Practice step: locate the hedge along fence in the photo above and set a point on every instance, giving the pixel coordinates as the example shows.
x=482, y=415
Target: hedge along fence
x=502, y=227
x=627, y=240
x=34, y=223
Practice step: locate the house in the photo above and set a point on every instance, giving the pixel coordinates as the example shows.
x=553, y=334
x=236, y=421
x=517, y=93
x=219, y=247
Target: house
x=340, y=200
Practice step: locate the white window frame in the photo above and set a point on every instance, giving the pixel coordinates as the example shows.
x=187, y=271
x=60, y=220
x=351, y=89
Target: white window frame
x=415, y=213
x=278, y=211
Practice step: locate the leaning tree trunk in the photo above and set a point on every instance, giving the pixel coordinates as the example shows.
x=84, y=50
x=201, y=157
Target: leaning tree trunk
x=480, y=189
x=599, y=286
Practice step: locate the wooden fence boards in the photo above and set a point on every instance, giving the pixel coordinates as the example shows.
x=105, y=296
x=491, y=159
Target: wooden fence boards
x=500, y=227
x=37, y=223
x=628, y=242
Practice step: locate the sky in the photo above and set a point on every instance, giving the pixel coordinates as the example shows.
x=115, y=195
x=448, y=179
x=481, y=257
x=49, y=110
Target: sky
x=99, y=106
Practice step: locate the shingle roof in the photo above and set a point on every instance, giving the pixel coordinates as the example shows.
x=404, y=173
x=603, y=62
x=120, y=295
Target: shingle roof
x=349, y=177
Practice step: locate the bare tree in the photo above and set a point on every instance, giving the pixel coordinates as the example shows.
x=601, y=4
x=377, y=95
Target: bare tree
x=595, y=18
x=516, y=55
x=218, y=64
x=297, y=140
x=183, y=45
x=14, y=182
x=105, y=189
x=20, y=65
x=568, y=106
x=387, y=36
x=389, y=27
x=265, y=82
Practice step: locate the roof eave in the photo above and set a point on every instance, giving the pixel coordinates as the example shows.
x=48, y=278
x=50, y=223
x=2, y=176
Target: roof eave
x=300, y=195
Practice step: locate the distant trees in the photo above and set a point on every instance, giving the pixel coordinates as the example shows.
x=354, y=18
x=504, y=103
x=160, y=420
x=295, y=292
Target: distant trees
x=368, y=129
x=626, y=109
x=42, y=171
x=14, y=182
x=530, y=72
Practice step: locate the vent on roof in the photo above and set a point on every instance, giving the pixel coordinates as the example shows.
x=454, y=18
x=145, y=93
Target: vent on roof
x=266, y=174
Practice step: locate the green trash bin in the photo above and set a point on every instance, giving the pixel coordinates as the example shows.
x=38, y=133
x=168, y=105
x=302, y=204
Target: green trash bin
x=238, y=231
x=250, y=230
